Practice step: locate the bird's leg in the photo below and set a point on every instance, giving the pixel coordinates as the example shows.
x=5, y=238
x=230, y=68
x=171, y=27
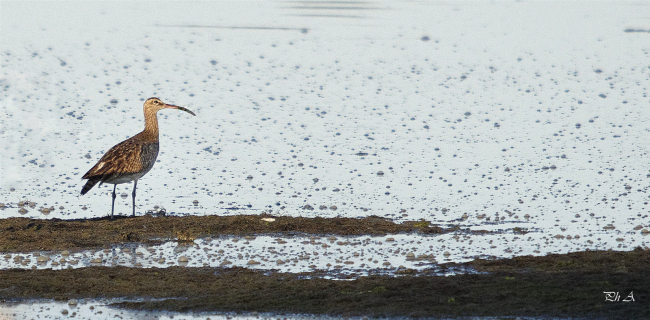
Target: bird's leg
x=135, y=184
x=113, y=204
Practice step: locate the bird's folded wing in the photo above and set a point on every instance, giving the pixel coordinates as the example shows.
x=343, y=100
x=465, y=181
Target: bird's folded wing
x=123, y=158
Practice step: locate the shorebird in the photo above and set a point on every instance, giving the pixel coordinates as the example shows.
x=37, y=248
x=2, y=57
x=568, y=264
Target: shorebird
x=130, y=159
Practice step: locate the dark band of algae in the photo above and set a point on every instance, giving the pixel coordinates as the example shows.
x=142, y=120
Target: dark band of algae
x=24, y=234
x=567, y=285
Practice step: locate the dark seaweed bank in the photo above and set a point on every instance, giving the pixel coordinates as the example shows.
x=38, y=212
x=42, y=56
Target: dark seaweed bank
x=24, y=234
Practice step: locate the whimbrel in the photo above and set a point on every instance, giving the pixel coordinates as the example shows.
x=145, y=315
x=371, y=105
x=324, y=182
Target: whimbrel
x=130, y=159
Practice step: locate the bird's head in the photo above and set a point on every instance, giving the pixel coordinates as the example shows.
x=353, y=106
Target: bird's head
x=154, y=104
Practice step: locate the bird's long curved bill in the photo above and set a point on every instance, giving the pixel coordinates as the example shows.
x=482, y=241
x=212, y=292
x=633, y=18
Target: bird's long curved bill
x=181, y=108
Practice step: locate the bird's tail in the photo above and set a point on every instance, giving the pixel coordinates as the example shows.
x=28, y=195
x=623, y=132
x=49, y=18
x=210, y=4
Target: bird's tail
x=89, y=185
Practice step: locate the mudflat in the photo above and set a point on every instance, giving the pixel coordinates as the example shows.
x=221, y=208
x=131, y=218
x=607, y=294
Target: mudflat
x=556, y=285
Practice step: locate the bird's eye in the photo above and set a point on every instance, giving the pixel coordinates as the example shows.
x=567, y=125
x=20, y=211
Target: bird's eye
x=156, y=101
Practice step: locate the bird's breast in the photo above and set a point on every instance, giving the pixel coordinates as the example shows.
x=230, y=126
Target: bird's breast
x=148, y=155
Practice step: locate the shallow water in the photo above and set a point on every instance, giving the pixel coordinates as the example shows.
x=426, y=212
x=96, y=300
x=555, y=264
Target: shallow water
x=428, y=110
x=337, y=255
x=101, y=309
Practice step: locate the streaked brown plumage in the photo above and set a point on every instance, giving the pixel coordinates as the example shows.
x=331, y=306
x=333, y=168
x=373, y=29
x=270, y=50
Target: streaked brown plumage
x=131, y=159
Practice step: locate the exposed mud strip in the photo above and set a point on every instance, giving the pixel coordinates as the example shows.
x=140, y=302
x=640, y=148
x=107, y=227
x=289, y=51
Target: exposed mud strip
x=570, y=285
x=23, y=234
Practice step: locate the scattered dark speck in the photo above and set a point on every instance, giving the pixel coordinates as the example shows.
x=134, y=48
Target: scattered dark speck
x=630, y=30
x=602, y=95
x=425, y=38
x=113, y=101
x=214, y=62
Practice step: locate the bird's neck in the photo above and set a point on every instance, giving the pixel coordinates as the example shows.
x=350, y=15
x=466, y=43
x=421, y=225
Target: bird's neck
x=150, y=131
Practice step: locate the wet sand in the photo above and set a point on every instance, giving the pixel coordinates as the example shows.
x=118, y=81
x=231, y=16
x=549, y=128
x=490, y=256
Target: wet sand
x=558, y=285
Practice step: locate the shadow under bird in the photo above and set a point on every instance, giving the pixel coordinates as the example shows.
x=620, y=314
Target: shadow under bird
x=130, y=159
